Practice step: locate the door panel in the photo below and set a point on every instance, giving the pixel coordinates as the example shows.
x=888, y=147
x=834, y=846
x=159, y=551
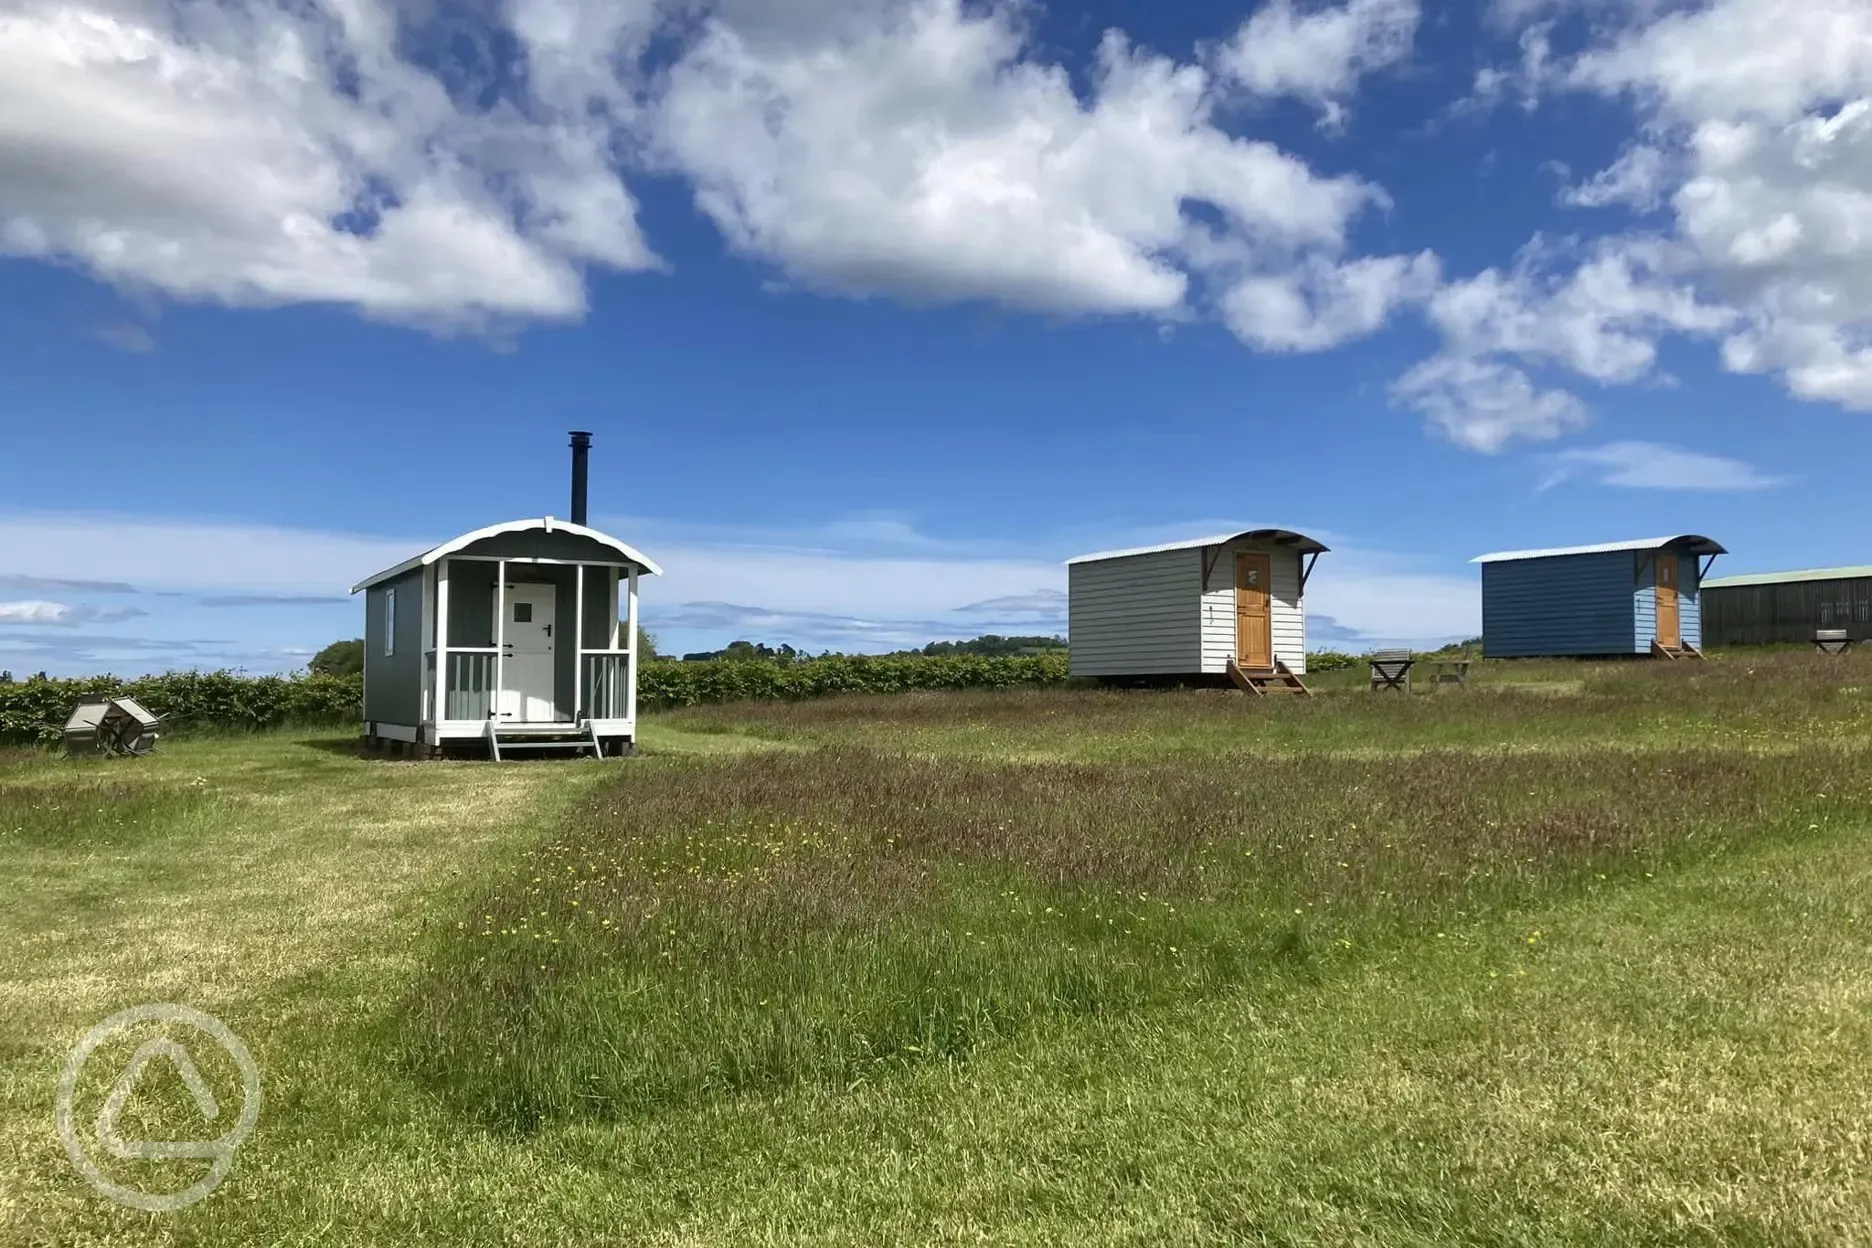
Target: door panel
x=1254, y=620
x=527, y=667
x=1669, y=630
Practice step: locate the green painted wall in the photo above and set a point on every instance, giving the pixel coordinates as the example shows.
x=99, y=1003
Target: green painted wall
x=393, y=682
x=471, y=604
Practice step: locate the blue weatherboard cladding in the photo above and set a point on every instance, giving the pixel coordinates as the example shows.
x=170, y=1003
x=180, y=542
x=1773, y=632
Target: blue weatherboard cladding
x=1689, y=600
x=1560, y=605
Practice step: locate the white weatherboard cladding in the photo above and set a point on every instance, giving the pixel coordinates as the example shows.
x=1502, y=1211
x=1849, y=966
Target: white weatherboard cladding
x=1147, y=615
x=1136, y=616
x=1287, y=606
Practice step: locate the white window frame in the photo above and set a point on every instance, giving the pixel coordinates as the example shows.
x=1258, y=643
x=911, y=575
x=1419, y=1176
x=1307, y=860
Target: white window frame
x=389, y=619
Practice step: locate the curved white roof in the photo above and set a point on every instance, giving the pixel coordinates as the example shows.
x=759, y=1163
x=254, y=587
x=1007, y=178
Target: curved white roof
x=544, y=524
x=1694, y=543
x=1301, y=541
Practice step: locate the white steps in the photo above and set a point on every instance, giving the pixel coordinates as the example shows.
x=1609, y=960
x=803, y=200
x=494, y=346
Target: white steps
x=568, y=736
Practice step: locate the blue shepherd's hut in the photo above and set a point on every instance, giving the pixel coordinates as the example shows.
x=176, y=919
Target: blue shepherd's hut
x=1615, y=598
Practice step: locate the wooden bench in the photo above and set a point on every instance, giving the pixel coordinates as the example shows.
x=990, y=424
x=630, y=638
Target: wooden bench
x=1449, y=672
x=1391, y=669
x=1832, y=640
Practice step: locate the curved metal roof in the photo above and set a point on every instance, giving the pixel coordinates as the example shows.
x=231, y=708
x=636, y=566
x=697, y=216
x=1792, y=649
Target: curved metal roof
x=544, y=524
x=1284, y=537
x=1689, y=543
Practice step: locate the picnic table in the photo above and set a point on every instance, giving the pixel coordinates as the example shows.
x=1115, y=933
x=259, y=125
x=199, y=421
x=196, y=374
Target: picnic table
x=1832, y=640
x=111, y=726
x=1391, y=669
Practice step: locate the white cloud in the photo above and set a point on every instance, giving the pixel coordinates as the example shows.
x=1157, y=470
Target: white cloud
x=256, y=155
x=583, y=56
x=1484, y=404
x=1637, y=179
x=1318, y=55
x=1758, y=121
x=382, y=156
x=34, y=612
x=1321, y=304
x=919, y=155
x=1649, y=466
x=1515, y=14
x=1601, y=320
x=63, y=613
x=1775, y=60
x=1524, y=82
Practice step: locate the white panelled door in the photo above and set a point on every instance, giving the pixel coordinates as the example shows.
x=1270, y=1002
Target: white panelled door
x=526, y=694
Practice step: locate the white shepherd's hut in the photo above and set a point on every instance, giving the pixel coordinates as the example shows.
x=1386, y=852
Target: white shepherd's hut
x=1233, y=605
x=516, y=636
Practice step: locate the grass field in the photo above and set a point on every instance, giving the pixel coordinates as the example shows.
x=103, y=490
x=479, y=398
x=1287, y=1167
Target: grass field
x=1580, y=956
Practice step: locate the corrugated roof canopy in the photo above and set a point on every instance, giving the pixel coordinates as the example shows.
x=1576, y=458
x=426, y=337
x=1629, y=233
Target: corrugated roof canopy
x=544, y=523
x=1284, y=537
x=1688, y=543
x=1789, y=578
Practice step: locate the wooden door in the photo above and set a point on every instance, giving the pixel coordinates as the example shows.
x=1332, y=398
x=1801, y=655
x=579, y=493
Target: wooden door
x=1254, y=621
x=1669, y=630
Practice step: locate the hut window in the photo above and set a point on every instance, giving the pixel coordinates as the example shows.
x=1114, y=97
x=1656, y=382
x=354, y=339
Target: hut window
x=523, y=613
x=389, y=622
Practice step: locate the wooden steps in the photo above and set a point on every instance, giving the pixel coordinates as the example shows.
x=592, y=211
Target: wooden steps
x=1280, y=680
x=568, y=736
x=1684, y=650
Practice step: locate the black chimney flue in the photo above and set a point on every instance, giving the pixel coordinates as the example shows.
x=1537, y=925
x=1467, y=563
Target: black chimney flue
x=581, y=454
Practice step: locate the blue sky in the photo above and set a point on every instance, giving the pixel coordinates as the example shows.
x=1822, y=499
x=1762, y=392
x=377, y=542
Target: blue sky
x=881, y=310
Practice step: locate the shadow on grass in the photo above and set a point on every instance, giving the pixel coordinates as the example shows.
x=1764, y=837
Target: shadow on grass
x=345, y=747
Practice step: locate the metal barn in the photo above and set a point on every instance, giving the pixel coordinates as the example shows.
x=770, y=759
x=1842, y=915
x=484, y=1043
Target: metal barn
x=1787, y=606
x=521, y=635
x=1637, y=597
x=1230, y=606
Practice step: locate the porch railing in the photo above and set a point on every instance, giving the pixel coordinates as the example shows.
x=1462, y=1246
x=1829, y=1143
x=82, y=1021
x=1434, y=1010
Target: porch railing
x=470, y=688
x=605, y=682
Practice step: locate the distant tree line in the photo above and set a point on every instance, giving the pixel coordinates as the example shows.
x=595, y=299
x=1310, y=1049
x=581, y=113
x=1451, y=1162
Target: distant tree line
x=993, y=645
x=748, y=650
x=989, y=645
